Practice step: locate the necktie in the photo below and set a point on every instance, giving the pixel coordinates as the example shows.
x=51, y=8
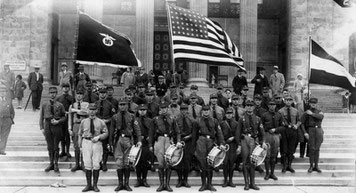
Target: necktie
x=78, y=108
x=273, y=120
x=89, y=95
x=236, y=114
x=185, y=125
x=214, y=112
x=101, y=108
x=123, y=121
x=250, y=121
x=144, y=128
x=194, y=113
x=92, y=130
x=129, y=107
x=52, y=107
x=206, y=120
x=289, y=118
x=166, y=124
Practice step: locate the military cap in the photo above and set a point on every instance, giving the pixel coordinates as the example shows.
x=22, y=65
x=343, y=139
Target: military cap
x=109, y=88
x=88, y=84
x=92, y=106
x=265, y=89
x=235, y=97
x=277, y=96
x=313, y=100
x=141, y=85
x=128, y=91
x=122, y=100
x=103, y=90
x=249, y=102
x=142, y=107
x=205, y=107
x=213, y=96
x=163, y=105
x=173, y=86
x=64, y=64
x=183, y=106
x=80, y=91
x=52, y=89
x=193, y=96
x=149, y=93
x=174, y=96
x=181, y=86
x=219, y=87
x=271, y=102
x=132, y=87
x=258, y=97
x=227, y=90
x=194, y=87
x=229, y=110
x=80, y=67
x=65, y=84
x=288, y=97
x=160, y=77
x=245, y=88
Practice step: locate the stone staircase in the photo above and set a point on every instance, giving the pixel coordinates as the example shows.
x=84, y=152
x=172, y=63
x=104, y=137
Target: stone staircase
x=27, y=157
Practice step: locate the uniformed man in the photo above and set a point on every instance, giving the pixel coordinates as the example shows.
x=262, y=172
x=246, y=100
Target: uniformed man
x=222, y=101
x=110, y=97
x=278, y=99
x=290, y=135
x=311, y=122
x=152, y=106
x=208, y=132
x=232, y=138
x=7, y=114
x=92, y=132
x=258, y=110
x=265, y=98
x=104, y=112
x=124, y=128
x=131, y=106
x=52, y=118
x=186, y=125
x=66, y=101
x=173, y=91
x=272, y=122
x=173, y=108
x=140, y=97
x=76, y=113
x=194, y=90
x=164, y=133
x=244, y=95
x=216, y=111
x=251, y=130
x=161, y=87
x=146, y=125
x=89, y=95
x=194, y=109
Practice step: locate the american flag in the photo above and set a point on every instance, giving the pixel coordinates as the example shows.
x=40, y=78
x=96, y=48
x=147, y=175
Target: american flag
x=199, y=39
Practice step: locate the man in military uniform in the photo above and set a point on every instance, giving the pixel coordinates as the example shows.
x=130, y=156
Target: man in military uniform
x=124, y=128
x=232, y=138
x=152, y=106
x=161, y=87
x=66, y=101
x=193, y=91
x=208, y=132
x=311, y=127
x=265, y=98
x=140, y=97
x=164, y=133
x=290, y=134
x=244, y=95
x=52, y=118
x=104, y=112
x=110, y=97
x=146, y=125
x=7, y=115
x=76, y=113
x=222, y=101
x=273, y=125
x=251, y=133
x=186, y=126
x=92, y=132
x=89, y=95
x=194, y=109
x=216, y=111
x=173, y=108
x=258, y=110
x=131, y=106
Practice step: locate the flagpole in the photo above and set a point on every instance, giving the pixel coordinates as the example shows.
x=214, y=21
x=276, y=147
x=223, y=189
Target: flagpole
x=310, y=52
x=75, y=53
x=170, y=35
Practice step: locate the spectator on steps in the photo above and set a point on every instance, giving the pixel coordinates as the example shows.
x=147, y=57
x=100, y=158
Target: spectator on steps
x=20, y=86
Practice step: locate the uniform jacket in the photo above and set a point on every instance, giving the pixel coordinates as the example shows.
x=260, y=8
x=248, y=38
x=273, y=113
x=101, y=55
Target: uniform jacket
x=33, y=83
x=197, y=109
x=146, y=125
x=152, y=109
x=46, y=114
x=222, y=101
x=186, y=130
x=253, y=128
x=229, y=129
x=311, y=120
x=66, y=101
x=77, y=117
x=258, y=111
x=80, y=79
x=272, y=120
x=219, y=112
x=90, y=97
x=105, y=109
x=66, y=77
x=132, y=127
x=173, y=111
x=132, y=107
x=240, y=112
x=100, y=128
x=213, y=129
x=114, y=102
x=159, y=128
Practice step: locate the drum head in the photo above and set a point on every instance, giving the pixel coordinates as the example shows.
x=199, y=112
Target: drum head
x=174, y=155
x=135, y=155
x=216, y=157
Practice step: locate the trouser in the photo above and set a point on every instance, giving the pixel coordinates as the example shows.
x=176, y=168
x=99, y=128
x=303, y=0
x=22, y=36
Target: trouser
x=36, y=98
x=273, y=141
x=121, y=152
x=289, y=142
x=66, y=139
x=5, y=127
x=53, y=135
x=75, y=136
x=160, y=147
x=92, y=154
x=143, y=163
x=203, y=147
x=316, y=137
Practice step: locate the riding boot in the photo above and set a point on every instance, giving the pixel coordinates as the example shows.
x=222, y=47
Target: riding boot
x=103, y=164
x=88, y=174
x=144, y=171
x=185, y=178
x=231, y=174
x=273, y=164
x=246, y=175
x=56, y=157
x=252, y=179
x=316, y=162
x=82, y=162
x=168, y=178
x=210, y=181
x=120, y=178
x=63, y=147
x=51, y=165
x=290, y=160
x=127, y=179
x=95, y=180
x=267, y=166
x=226, y=173
x=161, y=179
x=302, y=149
x=203, y=175
x=311, y=162
x=180, y=178
x=284, y=163
x=67, y=148
x=138, y=174
x=77, y=159
x=259, y=169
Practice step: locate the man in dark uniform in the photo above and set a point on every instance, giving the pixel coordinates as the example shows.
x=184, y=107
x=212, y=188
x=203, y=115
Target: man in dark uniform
x=146, y=125
x=104, y=112
x=290, y=135
x=209, y=132
x=7, y=114
x=222, y=101
x=164, y=133
x=110, y=98
x=66, y=101
x=193, y=91
x=161, y=87
x=238, y=111
x=311, y=127
x=244, y=95
x=124, y=128
x=131, y=106
x=258, y=110
x=273, y=125
x=52, y=118
x=173, y=108
x=76, y=113
x=239, y=81
x=231, y=137
x=265, y=98
x=140, y=98
x=252, y=133
x=89, y=95
x=92, y=132
x=152, y=106
x=186, y=126
x=216, y=112
x=194, y=109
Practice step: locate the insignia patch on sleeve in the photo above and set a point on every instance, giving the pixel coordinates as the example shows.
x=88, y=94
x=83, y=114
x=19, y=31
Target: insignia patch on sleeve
x=135, y=122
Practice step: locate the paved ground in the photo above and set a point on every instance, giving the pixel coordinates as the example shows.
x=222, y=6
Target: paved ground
x=264, y=189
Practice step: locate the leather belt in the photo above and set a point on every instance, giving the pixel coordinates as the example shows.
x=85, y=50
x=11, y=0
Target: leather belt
x=88, y=138
x=164, y=135
x=123, y=135
x=207, y=136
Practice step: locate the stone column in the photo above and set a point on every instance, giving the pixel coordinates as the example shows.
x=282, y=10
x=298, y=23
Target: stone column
x=144, y=32
x=248, y=35
x=198, y=71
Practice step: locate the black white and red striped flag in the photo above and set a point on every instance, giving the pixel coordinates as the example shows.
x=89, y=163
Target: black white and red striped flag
x=199, y=39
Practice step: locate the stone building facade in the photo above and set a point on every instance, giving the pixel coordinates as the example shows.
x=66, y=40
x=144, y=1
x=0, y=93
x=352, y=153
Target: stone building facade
x=267, y=32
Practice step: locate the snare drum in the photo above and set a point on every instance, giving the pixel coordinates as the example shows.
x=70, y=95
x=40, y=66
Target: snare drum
x=258, y=155
x=135, y=155
x=174, y=155
x=216, y=156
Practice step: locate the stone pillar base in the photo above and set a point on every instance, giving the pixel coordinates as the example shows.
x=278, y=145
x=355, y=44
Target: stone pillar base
x=200, y=82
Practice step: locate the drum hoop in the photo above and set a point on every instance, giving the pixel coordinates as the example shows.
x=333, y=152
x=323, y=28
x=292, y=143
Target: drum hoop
x=137, y=158
x=168, y=159
x=215, y=148
x=180, y=158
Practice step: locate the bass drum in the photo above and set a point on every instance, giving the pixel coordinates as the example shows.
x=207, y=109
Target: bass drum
x=216, y=156
x=174, y=155
x=135, y=155
x=258, y=155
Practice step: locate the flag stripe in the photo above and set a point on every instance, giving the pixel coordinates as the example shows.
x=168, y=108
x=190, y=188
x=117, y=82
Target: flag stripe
x=202, y=51
x=198, y=45
x=207, y=59
x=330, y=79
x=317, y=50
